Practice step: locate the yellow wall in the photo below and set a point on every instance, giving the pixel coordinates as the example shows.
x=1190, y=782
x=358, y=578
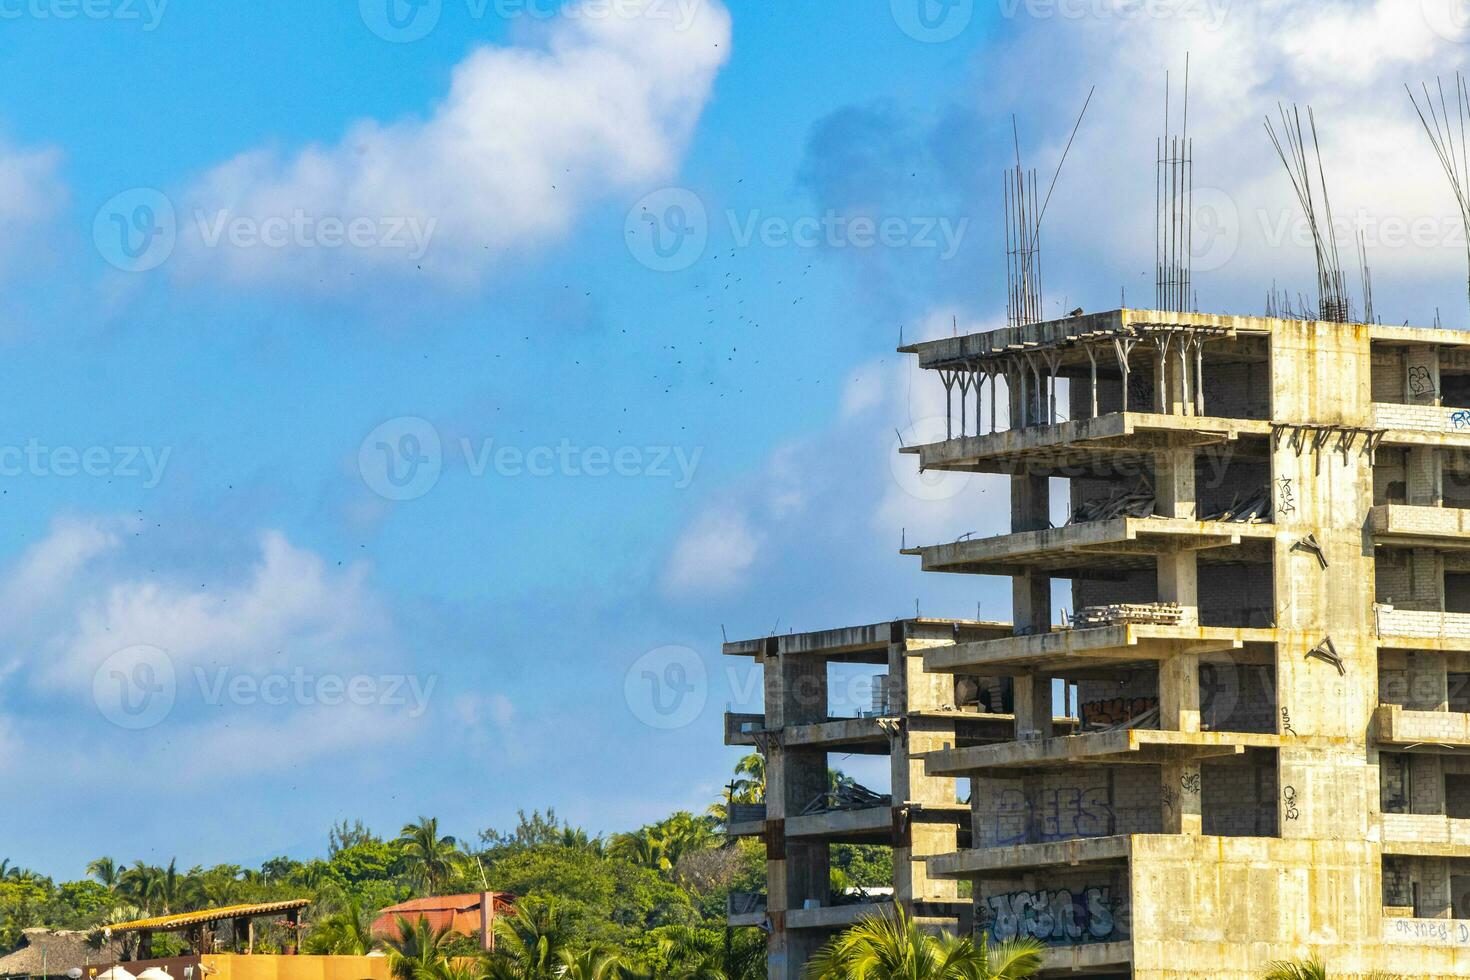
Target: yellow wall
x=261, y=967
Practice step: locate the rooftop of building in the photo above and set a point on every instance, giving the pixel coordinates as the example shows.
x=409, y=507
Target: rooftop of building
x=1073, y=331
x=460, y=913
x=869, y=639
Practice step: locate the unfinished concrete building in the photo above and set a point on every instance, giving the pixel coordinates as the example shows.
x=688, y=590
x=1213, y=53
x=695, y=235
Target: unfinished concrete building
x=807, y=727
x=1258, y=529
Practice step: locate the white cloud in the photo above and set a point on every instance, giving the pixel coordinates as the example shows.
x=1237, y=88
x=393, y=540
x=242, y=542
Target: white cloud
x=525, y=138
x=282, y=660
x=714, y=554
x=31, y=193
x=290, y=609
x=1380, y=169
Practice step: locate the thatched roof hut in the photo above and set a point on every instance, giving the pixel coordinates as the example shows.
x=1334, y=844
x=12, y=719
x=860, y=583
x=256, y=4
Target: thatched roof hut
x=52, y=952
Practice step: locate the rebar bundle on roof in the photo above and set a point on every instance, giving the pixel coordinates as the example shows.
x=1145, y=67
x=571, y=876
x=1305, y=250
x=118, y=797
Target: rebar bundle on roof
x=1449, y=146
x=1174, y=210
x=1291, y=148
x=1023, y=214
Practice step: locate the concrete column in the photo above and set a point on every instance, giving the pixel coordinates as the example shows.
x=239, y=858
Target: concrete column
x=796, y=694
x=796, y=690
x=1180, y=798
x=1179, y=709
x=1180, y=378
x=1031, y=591
x=1034, y=711
x=1174, y=487
x=1161, y=382
x=1179, y=698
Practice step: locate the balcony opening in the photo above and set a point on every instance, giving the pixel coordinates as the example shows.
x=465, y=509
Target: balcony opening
x=1457, y=592
x=1238, y=692
x=1460, y=895
x=1457, y=795
x=1426, y=887
x=1458, y=685
x=860, y=690
x=1239, y=796
x=1239, y=594
x=1454, y=391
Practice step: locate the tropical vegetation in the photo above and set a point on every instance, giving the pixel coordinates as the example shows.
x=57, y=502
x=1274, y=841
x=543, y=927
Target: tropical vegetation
x=649, y=903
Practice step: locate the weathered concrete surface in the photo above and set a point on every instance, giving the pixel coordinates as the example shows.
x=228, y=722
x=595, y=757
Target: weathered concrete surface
x=1307, y=875
x=1254, y=794
x=797, y=735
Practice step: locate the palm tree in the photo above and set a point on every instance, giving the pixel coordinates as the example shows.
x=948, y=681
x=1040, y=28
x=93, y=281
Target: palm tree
x=171, y=887
x=141, y=884
x=346, y=932
x=531, y=940
x=644, y=848
x=431, y=858
x=1311, y=969
x=750, y=779
x=592, y=963
x=891, y=947
x=106, y=871
x=416, y=948
x=457, y=968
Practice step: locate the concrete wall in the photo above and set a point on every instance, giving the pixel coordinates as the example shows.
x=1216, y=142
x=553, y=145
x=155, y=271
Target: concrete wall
x=1069, y=909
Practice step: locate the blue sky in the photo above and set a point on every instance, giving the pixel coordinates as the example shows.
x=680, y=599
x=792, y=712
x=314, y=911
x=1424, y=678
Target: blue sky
x=308, y=530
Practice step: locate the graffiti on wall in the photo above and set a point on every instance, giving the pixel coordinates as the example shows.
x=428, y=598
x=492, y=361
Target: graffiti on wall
x=1062, y=813
x=1288, y=796
x=1055, y=916
x=1421, y=382
x=1115, y=711
x=1286, y=496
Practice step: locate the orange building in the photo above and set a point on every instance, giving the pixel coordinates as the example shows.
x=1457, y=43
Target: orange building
x=469, y=914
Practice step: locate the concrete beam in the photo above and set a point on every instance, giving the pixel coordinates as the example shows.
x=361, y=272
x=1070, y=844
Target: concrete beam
x=1097, y=543
x=1063, y=650
x=1132, y=746
x=1020, y=860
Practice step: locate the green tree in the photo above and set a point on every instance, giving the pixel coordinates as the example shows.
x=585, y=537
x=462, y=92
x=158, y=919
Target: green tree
x=531, y=939
x=431, y=859
x=105, y=870
x=590, y=963
x=344, y=835
x=417, y=947
x=346, y=932
x=892, y=947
